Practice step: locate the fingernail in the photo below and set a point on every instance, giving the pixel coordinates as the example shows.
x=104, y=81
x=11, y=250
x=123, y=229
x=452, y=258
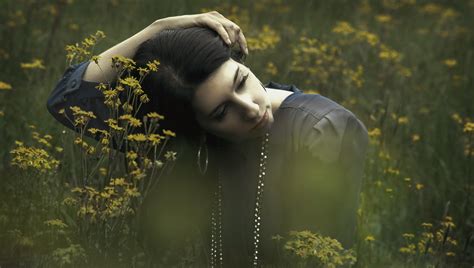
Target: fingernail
x=228, y=41
x=246, y=51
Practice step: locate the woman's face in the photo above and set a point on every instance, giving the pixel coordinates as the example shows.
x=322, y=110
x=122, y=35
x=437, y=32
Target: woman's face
x=232, y=103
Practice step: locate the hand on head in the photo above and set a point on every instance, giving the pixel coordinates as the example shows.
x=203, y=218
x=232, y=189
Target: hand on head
x=227, y=30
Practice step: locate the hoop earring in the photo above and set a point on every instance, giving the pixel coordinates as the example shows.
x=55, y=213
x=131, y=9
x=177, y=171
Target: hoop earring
x=203, y=142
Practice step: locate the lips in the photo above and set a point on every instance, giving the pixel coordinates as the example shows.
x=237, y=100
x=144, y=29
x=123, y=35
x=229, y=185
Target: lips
x=262, y=121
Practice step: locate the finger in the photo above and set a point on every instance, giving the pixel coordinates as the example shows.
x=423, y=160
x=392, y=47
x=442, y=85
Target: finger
x=243, y=42
x=219, y=28
x=217, y=14
x=232, y=31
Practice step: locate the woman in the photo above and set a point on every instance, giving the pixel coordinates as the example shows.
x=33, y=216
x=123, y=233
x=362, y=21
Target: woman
x=278, y=159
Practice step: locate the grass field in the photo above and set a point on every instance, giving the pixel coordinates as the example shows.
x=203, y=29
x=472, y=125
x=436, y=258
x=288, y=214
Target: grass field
x=401, y=66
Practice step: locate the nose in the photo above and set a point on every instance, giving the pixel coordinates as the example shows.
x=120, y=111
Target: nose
x=251, y=110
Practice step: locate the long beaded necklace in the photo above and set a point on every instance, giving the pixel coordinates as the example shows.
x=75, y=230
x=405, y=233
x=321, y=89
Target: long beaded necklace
x=216, y=224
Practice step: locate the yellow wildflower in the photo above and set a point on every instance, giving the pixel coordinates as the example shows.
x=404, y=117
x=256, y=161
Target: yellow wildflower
x=118, y=182
x=457, y=118
x=95, y=59
x=103, y=171
x=155, y=139
x=410, y=249
x=155, y=115
x=169, y=133
x=343, y=27
x=383, y=18
x=374, y=132
x=35, y=64
x=415, y=137
x=30, y=157
x=112, y=123
x=77, y=111
x=402, y=120
x=153, y=66
x=388, y=53
x=139, y=137
x=419, y=186
x=450, y=62
x=391, y=170
x=468, y=127
x=131, y=155
x=56, y=223
x=123, y=62
x=271, y=68
x=170, y=155
x=267, y=38
x=5, y=86
x=134, y=122
x=144, y=98
x=370, y=38
x=408, y=235
x=426, y=225
x=369, y=238
x=431, y=8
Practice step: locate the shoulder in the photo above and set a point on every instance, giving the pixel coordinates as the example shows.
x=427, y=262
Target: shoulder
x=323, y=126
x=314, y=105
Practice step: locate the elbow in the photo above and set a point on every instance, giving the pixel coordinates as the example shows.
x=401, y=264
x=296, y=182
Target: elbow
x=50, y=105
x=358, y=134
x=362, y=133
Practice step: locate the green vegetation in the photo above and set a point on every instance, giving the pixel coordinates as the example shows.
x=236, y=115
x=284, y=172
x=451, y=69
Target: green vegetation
x=401, y=66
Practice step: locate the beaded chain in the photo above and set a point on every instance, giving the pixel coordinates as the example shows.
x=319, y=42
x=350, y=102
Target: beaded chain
x=216, y=224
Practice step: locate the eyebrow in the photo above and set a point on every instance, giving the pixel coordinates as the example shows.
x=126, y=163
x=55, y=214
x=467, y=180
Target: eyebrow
x=233, y=86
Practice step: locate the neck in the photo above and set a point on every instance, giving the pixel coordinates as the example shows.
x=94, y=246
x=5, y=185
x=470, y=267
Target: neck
x=277, y=96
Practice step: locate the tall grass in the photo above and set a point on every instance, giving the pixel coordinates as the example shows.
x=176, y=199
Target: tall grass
x=403, y=67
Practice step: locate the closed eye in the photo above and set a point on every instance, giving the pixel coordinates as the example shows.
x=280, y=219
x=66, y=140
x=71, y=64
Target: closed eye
x=223, y=111
x=242, y=82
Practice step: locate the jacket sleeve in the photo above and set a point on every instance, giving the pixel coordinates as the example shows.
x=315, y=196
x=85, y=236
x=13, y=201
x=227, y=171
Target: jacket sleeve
x=71, y=90
x=330, y=174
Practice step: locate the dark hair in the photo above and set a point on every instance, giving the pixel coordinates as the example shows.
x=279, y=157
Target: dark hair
x=187, y=58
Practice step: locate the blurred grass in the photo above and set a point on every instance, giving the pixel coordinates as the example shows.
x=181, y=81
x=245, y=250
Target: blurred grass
x=428, y=98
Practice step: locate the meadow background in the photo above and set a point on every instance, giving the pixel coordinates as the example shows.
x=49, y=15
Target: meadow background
x=401, y=66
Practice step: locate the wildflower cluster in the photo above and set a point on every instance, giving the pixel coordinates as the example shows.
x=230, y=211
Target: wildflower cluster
x=39, y=159
x=266, y=39
x=467, y=126
x=431, y=241
x=80, y=52
x=349, y=35
x=102, y=205
x=116, y=171
x=320, y=63
x=319, y=250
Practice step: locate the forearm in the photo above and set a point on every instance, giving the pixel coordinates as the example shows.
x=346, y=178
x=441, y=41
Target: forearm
x=103, y=71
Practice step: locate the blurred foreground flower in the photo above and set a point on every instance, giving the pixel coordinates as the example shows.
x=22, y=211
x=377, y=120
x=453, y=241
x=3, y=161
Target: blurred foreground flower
x=35, y=64
x=5, y=86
